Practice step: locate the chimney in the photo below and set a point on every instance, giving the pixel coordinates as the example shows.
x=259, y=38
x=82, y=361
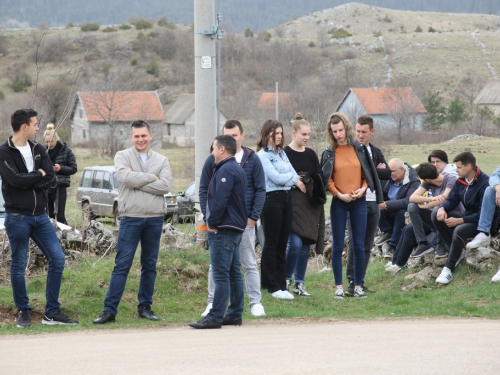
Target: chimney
x=375, y=87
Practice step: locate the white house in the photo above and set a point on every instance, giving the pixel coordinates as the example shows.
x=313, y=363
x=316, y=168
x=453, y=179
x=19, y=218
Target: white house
x=390, y=107
x=99, y=117
x=490, y=96
x=180, y=122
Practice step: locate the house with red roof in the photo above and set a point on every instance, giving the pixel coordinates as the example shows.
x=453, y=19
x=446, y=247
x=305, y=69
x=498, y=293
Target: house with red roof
x=106, y=115
x=390, y=107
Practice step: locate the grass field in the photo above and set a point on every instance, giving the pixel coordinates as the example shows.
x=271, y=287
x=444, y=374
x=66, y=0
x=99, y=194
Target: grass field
x=181, y=282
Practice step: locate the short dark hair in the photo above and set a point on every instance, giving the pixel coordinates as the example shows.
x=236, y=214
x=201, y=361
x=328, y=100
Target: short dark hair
x=466, y=158
x=440, y=154
x=427, y=171
x=140, y=124
x=232, y=123
x=365, y=120
x=21, y=117
x=228, y=142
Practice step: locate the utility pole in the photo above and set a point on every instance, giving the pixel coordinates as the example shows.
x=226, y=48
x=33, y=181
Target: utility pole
x=204, y=83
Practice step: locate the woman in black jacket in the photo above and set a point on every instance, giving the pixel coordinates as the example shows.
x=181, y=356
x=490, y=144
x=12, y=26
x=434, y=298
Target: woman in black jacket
x=64, y=162
x=308, y=223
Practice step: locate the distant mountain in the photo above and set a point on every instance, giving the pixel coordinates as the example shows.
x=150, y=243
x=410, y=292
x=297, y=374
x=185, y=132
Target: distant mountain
x=237, y=14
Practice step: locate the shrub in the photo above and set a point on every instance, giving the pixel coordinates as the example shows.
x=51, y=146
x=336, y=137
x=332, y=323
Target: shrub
x=312, y=44
x=69, y=24
x=376, y=34
x=90, y=26
x=142, y=24
x=387, y=19
x=125, y=26
x=2, y=95
x=152, y=68
x=133, y=62
x=432, y=30
x=378, y=49
x=164, y=23
x=341, y=33
x=152, y=85
x=418, y=29
x=248, y=33
x=109, y=29
x=265, y=36
x=21, y=83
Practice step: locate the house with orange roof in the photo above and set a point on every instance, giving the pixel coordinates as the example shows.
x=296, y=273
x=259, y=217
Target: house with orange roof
x=103, y=116
x=490, y=96
x=267, y=101
x=392, y=108
x=180, y=122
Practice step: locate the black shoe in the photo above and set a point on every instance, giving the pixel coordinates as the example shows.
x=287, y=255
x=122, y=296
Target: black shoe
x=366, y=290
x=58, y=318
x=105, y=317
x=146, y=313
x=386, y=236
x=441, y=251
x=205, y=323
x=422, y=249
x=228, y=321
x=349, y=292
x=24, y=318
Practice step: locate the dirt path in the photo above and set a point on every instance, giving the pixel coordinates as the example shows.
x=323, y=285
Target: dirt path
x=433, y=346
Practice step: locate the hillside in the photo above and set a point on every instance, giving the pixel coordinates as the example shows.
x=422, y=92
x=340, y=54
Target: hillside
x=317, y=56
x=238, y=14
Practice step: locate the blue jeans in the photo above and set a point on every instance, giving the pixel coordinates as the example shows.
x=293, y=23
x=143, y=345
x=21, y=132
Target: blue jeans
x=297, y=256
x=147, y=230
x=338, y=218
x=392, y=222
x=224, y=246
x=19, y=229
x=488, y=207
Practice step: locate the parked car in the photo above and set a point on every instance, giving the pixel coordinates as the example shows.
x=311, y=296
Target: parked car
x=97, y=194
x=185, y=204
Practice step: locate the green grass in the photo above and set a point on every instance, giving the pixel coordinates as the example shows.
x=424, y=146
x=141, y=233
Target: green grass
x=181, y=293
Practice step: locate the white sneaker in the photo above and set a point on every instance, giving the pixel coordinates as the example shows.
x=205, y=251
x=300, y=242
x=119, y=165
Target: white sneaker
x=389, y=264
x=339, y=293
x=496, y=278
x=207, y=310
x=257, y=310
x=481, y=240
x=278, y=294
x=445, y=276
x=394, y=269
x=287, y=294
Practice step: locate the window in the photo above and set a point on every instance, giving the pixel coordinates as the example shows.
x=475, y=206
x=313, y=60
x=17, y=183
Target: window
x=81, y=113
x=121, y=131
x=84, y=134
x=115, y=180
x=106, y=183
x=97, y=180
x=86, y=176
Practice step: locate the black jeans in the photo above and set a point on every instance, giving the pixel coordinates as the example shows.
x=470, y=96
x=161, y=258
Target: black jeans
x=455, y=238
x=407, y=243
x=372, y=216
x=61, y=205
x=392, y=222
x=277, y=221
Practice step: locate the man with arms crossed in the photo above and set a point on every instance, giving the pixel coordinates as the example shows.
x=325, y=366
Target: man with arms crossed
x=226, y=221
x=364, y=134
x=255, y=197
x=144, y=177
x=26, y=171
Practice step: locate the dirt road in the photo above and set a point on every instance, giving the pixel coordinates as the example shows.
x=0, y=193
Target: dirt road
x=444, y=346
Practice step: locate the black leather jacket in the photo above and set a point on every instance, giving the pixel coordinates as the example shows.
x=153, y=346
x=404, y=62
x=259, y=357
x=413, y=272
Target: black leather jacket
x=367, y=166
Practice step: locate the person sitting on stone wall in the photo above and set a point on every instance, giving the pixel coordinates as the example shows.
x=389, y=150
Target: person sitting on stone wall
x=491, y=200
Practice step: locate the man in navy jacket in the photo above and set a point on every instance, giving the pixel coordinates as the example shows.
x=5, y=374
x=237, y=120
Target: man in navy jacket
x=226, y=219
x=26, y=171
x=468, y=190
x=255, y=197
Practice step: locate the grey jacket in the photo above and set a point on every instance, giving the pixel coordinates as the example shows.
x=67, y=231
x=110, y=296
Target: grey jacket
x=140, y=194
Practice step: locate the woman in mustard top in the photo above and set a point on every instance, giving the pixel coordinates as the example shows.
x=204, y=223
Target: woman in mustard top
x=347, y=171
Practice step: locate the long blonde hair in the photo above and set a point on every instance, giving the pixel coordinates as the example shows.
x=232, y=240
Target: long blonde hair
x=336, y=118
